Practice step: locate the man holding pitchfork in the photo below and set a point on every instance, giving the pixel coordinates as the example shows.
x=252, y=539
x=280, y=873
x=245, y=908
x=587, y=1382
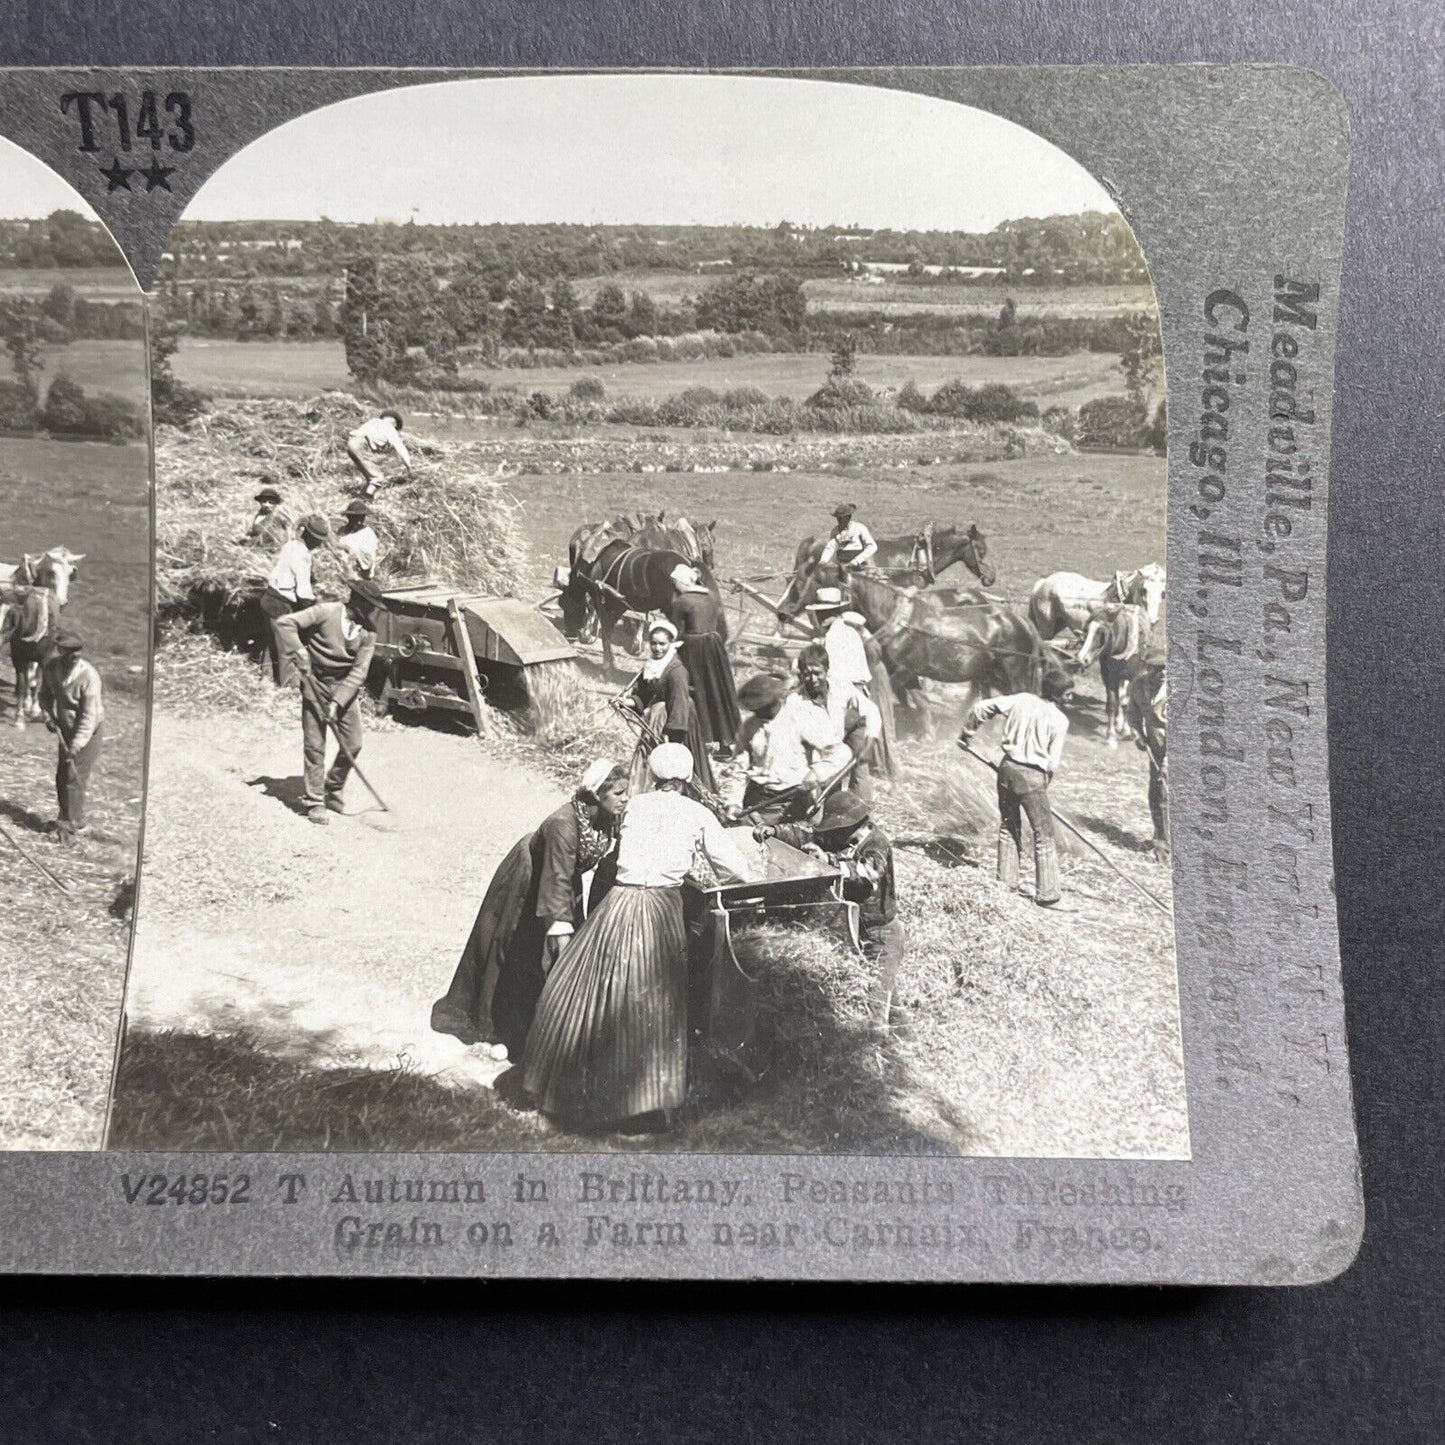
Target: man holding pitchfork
x=331, y=646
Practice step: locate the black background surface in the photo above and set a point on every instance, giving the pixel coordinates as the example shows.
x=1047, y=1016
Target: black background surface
x=1354, y=1360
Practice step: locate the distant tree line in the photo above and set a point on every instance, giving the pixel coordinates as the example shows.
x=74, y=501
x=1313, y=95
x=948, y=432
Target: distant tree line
x=62, y=239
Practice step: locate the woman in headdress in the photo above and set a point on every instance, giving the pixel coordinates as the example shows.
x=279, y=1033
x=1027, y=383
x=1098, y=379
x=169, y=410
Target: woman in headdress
x=609, y=1040
x=702, y=640
x=662, y=694
x=531, y=908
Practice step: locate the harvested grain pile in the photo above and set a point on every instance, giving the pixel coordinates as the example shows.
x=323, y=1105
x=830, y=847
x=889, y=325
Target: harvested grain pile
x=452, y=522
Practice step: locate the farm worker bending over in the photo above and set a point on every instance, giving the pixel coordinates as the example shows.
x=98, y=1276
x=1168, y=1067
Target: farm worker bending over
x=357, y=539
x=270, y=527
x=862, y=852
x=850, y=712
x=851, y=544
x=331, y=644
x=1034, y=731
x=70, y=697
x=290, y=587
x=382, y=433
x=793, y=747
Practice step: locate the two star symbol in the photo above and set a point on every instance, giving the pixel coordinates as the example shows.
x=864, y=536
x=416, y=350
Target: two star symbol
x=156, y=175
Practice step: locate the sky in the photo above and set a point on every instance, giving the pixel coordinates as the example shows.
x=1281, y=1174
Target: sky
x=654, y=149
x=29, y=189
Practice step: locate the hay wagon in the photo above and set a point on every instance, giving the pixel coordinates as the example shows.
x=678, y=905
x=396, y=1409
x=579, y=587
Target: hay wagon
x=439, y=650
x=797, y=891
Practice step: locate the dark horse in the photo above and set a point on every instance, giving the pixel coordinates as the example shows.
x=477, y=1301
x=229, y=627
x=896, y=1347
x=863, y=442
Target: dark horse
x=987, y=647
x=917, y=559
x=624, y=577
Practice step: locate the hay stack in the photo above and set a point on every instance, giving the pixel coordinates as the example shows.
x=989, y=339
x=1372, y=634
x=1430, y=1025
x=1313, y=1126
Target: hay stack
x=453, y=522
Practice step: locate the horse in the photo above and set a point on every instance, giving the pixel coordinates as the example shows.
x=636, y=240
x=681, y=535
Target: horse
x=919, y=558
x=983, y=644
x=691, y=541
x=626, y=578
x=32, y=592
x=1118, y=635
x=1065, y=601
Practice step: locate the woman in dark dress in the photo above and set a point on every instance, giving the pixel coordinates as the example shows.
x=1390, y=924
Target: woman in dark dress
x=662, y=694
x=702, y=642
x=532, y=906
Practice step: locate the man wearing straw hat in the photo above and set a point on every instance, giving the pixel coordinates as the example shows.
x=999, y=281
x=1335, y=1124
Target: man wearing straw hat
x=357, y=539
x=70, y=697
x=330, y=644
x=290, y=587
x=847, y=656
x=270, y=527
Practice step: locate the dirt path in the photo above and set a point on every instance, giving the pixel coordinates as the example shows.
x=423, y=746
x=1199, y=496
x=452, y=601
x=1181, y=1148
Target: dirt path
x=231, y=934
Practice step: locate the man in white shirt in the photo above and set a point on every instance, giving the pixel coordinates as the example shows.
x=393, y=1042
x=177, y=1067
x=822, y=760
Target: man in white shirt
x=847, y=655
x=380, y=434
x=1034, y=731
x=358, y=540
x=850, y=545
x=290, y=588
x=793, y=747
x=849, y=710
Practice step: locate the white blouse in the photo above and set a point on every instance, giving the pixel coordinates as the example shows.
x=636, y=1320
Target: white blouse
x=662, y=830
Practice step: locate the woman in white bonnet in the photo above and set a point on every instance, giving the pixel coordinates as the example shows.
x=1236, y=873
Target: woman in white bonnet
x=531, y=908
x=609, y=1040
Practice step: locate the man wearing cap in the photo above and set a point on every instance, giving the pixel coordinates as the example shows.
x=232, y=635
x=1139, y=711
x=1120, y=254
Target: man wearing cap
x=70, y=697
x=1034, y=731
x=331, y=644
x=290, y=587
x=850, y=545
x=270, y=527
x=379, y=434
x=792, y=746
x=863, y=854
x=357, y=539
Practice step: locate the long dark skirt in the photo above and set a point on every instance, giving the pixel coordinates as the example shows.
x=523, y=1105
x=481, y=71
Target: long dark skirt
x=714, y=696
x=609, y=1040
x=642, y=780
x=494, y=991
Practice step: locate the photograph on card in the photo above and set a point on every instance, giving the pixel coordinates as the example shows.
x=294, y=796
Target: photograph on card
x=74, y=646
x=661, y=636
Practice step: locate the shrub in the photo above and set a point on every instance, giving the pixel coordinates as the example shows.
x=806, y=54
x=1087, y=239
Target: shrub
x=587, y=388
x=740, y=396
x=1159, y=429
x=17, y=409
x=839, y=393
x=64, y=410
x=1113, y=421
x=111, y=418
x=992, y=402
x=1061, y=421
x=910, y=397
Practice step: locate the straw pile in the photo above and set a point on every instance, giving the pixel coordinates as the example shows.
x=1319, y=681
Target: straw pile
x=452, y=521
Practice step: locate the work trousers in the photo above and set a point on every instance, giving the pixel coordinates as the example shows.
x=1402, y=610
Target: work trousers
x=322, y=784
x=72, y=780
x=367, y=465
x=1025, y=790
x=883, y=946
x=274, y=605
x=1159, y=808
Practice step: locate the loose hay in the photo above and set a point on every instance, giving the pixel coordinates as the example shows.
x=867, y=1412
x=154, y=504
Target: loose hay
x=452, y=521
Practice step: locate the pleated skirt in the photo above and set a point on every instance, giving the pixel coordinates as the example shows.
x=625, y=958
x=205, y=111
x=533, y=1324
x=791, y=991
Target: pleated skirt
x=609, y=1040
x=714, y=697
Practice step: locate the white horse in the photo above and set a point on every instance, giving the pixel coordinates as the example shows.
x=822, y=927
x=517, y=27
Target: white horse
x=1068, y=601
x=32, y=592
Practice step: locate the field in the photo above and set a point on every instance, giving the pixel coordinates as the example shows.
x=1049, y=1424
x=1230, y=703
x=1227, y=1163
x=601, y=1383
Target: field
x=65, y=956
x=845, y=293
x=303, y=368
x=114, y=366
x=1031, y=1033
x=94, y=283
